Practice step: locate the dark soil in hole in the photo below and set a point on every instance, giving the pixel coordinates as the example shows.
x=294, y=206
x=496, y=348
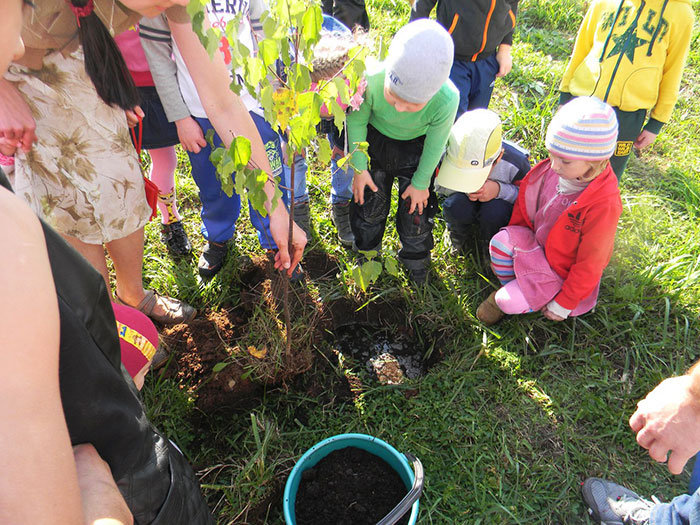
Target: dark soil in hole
x=348, y=487
x=389, y=354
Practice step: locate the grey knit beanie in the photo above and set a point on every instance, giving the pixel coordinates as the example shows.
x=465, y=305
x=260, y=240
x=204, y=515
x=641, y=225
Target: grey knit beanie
x=419, y=60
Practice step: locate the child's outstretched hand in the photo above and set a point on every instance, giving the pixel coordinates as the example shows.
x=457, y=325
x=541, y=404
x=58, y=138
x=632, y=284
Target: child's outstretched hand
x=359, y=182
x=418, y=198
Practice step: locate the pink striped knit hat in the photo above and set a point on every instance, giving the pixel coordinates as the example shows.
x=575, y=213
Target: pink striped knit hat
x=584, y=128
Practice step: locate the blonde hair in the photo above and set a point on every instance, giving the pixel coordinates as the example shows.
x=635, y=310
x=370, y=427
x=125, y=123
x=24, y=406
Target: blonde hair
x=331, y=53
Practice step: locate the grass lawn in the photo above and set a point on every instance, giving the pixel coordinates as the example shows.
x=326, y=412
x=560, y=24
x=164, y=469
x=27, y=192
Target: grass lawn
x=509, y=420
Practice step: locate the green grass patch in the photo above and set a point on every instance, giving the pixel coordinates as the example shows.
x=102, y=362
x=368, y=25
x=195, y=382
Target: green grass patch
x=513, y=418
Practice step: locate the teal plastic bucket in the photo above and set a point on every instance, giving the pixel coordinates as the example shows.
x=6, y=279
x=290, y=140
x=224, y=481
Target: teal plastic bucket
x=412, y=478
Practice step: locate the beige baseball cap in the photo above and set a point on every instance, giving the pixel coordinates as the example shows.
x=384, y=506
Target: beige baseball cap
x=475, y=142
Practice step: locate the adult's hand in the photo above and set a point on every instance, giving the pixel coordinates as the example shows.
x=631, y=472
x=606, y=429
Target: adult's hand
x=17, y=124
x=190, y=134
x=667, y=421
x=359, y=182
x=279, y=227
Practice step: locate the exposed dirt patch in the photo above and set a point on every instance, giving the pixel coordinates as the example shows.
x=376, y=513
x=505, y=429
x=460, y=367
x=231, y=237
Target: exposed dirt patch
x=225, y=357
x=199, y=347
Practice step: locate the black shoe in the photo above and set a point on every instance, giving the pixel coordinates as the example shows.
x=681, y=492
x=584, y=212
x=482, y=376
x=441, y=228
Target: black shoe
x=175, y=238
x=212, y=259
x=340, y=216
x=418, y=269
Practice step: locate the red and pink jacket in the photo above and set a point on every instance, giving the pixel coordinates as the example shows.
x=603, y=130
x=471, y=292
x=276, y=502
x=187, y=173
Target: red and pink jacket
x=580, y=243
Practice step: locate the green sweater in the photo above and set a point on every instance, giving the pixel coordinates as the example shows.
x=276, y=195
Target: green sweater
x=434, y=121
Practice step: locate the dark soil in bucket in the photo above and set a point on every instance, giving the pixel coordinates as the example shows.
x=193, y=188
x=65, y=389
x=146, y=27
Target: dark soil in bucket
x=349, y=487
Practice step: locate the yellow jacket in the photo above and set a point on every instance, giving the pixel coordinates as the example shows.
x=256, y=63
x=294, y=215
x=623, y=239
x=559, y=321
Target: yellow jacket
x=631, y=53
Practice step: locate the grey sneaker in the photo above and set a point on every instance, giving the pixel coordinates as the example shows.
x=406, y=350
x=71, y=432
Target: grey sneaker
x=340, y=215
x=612, y=504
x=302, y=216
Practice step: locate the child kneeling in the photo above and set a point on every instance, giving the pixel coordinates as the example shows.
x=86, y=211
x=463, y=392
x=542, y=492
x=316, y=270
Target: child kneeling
x=406, y=116
x=551, y=256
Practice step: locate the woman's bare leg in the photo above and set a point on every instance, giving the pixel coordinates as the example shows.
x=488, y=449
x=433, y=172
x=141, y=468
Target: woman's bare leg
x=127, y=256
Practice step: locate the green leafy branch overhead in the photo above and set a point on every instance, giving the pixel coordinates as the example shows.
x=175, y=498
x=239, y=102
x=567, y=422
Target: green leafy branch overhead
x=279, y=77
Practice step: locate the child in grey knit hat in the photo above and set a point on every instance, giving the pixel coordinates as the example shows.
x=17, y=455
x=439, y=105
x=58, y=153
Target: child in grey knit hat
x=406, y=116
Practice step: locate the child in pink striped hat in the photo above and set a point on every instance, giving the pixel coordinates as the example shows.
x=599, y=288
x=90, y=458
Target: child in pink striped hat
x=552, y=254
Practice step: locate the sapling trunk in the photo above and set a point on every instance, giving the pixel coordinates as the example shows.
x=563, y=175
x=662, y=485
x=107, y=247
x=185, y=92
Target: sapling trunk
x=290, y=247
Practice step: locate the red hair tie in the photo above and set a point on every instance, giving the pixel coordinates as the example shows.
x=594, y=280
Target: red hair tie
x=81, y=12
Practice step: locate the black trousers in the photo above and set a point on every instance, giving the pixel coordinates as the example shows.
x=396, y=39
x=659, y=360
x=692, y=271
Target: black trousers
x=389, y=160
x=350, y=12
x=630, y=126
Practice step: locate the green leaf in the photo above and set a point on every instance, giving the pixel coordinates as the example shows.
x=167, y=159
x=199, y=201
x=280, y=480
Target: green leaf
x=255, y=182
x=391, y=266
x=218, y=367
x=309, y=104
x=359, y=278
x=372, y=270
x=225, y=169
x=255, y=71
x=284, y=52
x=324, y=151
x=366, y=274
x=213, y=42
x=240, y=152
x=303, y=79
x=276, y=196
x=342, y=161
x=269, y=25
x=342, y=87
x=338, y=114
x=267, y=103
x=311, y=25
x=240, y=182
x=198, y=24
x=358, y=66
x=209, y=137
x=269, y=51
x=194, y=7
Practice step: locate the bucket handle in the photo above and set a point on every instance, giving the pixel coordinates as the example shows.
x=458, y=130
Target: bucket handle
x=409, y=499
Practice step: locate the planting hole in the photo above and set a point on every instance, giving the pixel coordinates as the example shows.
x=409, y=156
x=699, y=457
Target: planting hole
x=391, y=355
